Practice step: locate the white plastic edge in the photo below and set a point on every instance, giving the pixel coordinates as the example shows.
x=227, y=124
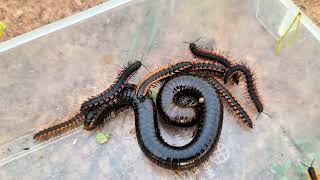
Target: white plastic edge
x=292, y=9
x=262, y=23
x=305, y=20
x=52, y=27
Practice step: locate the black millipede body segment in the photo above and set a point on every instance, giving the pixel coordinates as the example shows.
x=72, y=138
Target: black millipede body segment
x=100, y=114
x=206, y=137
x=123, y=77
x=250, y=84
x=213, y=56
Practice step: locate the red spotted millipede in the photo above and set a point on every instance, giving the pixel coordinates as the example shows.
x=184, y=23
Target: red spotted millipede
x=182, y=83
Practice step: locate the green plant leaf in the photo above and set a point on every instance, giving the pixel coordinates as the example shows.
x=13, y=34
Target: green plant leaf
x=102, y=138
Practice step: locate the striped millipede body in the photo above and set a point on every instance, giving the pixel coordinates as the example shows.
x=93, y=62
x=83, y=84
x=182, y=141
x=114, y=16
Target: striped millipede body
x=186, y=97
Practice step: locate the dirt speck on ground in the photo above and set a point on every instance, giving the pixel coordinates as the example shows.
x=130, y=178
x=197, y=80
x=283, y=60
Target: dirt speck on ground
x=311, y=8
x=21, y=16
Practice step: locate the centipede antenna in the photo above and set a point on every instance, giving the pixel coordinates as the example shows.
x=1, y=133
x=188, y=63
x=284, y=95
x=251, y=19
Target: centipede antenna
x=258, y=116
x=254, y=65
x=118, y=66
x=264, y=114
x=142, y=63
x=193, y=41
x=145, y=67
x=305, y=165
x=267, y=115
x=312, y=162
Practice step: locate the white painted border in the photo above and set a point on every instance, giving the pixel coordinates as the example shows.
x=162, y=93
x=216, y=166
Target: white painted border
x=52, y=27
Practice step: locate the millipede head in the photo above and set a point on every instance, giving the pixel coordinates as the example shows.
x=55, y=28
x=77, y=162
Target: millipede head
x=90, y=118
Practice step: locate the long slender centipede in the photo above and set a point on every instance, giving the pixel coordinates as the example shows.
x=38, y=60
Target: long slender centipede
x=59, y=128
x=212, y=56
x=237, y=109
x=250, y=84
x=115, y=88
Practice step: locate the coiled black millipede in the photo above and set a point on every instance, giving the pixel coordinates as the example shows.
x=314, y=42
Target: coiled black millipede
x=209, y=123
